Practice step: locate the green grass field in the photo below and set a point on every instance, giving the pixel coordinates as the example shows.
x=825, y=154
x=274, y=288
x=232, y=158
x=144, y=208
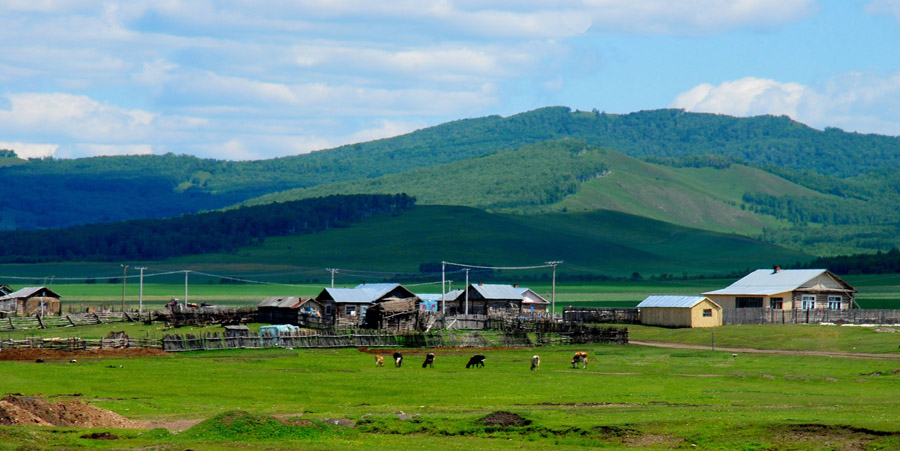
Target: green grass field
x=629, y=397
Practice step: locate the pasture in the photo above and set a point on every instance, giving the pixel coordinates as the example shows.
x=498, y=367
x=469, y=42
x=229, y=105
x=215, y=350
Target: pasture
x=628, y=397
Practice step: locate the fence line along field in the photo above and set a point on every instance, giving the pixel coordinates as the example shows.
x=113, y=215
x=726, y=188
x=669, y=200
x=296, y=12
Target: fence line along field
x=627, y=397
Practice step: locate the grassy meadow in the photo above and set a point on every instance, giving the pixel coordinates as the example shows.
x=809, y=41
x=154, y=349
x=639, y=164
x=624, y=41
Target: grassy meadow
x=628, y=397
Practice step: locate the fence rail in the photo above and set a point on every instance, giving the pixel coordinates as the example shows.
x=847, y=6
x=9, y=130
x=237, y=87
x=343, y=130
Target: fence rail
x=601, y=315
x=772, y=316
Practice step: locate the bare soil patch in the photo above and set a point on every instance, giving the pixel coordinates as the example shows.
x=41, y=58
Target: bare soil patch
x=54, y=354
x=504, y=419
x=18, y=410
x=837, y=437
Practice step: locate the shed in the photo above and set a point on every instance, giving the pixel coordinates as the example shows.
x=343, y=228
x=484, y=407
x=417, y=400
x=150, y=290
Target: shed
x=680, y=311
x=787, y=289
x=31, y=301
x=533, y=302
x=392, y=313
x=288, y=310
x=276, y=330
x=237, y=331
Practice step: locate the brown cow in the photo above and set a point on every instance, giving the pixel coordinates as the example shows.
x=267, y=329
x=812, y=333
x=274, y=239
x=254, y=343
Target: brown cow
x=582, y=357
x=535, y=363
x=379, y=360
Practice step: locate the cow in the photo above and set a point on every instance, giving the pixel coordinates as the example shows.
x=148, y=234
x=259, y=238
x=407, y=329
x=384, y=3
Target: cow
x=379, y=360
x=582, y=357
x=398, y=359
x=476, y=361
x=429, y=360
x=535, y=363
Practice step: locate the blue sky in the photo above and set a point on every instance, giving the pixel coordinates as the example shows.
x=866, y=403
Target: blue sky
x=245, y=80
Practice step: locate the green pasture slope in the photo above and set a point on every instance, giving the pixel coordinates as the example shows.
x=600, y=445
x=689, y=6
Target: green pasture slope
x=629, y=397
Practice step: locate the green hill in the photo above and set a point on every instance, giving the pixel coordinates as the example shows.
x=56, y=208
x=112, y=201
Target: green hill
x=51, y=193
x=599, y=242
x=568, y=175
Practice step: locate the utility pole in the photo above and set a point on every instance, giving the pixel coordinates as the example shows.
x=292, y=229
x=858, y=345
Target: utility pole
x=186, y=272
x=333, y=270
x=553, y=289
x=467, y=291
x=443, y=290
x=124, y=278
x=141, y=292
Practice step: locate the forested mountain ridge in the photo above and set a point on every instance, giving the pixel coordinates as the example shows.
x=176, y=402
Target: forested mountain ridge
x=53, y=193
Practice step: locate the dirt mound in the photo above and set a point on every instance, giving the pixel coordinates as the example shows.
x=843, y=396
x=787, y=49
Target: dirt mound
x=504, y=419
x=53, y=354
x=22, y=410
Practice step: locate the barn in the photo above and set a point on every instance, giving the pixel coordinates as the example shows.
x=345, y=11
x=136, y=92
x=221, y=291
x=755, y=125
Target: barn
x=680, y=311
x=31, y=301
x=787, y=289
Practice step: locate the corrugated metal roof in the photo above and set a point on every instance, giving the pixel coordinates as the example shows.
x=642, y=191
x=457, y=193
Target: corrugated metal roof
x=378, y=289
x=765, y=282
x=498, y=291
x=23, y=293
x=451, y=295
x=270, y=301
x=671, y=301
x=530, y=296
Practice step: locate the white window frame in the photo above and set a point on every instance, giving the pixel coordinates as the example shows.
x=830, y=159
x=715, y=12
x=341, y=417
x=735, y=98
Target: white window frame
x=807, y=302
x=349, y=310
x=835, y=302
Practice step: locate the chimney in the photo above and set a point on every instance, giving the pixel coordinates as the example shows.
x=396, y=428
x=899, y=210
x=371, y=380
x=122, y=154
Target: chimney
x=515, y=285
x=480, y=283
x=775, y=269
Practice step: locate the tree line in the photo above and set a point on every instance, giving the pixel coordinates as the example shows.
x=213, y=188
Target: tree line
x=201, y=233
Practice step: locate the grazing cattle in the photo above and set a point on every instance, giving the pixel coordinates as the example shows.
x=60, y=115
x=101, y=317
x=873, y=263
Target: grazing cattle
x=73, y=361
x=398, y=359
x=535, y=363
x=582, y=357
x=429, y=360
x=379, y=360
x=476, y=361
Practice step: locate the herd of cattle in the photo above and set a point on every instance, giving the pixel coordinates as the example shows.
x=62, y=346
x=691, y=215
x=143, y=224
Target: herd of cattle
x=478, y=360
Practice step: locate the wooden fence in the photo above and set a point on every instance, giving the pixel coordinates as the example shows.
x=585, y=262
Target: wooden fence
x=79, y=344
x=601, y=315
x=771, y=316
x=76, y=319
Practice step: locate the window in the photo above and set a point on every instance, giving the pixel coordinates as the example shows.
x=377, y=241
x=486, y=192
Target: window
x=808, y=302
x=834, y=302
x=748, y=302
x=362, y=310
x=776, y=303
x=350, y=310
x=707, y=312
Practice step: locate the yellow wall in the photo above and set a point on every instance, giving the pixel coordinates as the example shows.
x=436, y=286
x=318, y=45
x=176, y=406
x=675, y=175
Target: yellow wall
x=682, y=316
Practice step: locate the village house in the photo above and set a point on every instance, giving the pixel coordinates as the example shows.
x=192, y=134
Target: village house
x=353, y=302
x=680, y=311
x=484, y=299
x=288, y=310
x=532, y=302
x=30, y=301
x=787, y=289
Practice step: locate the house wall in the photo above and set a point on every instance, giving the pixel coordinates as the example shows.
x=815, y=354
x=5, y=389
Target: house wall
x=698, y=320
x=32, y=306
x=729, y=302
x=666, y=316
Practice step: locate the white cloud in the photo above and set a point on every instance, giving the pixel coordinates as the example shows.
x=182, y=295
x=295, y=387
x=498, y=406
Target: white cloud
x=891, y=7
x=156, y=72
x=30, y=150
x=853, y=101
x=78, y=117
x=745, y=97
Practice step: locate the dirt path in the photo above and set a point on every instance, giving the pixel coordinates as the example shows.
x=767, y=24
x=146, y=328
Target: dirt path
x=851, y=355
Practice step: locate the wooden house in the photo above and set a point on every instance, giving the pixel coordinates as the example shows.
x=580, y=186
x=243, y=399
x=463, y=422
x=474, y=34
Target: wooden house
x=288, y=310
x=533, y=302
x=787, y=289
x=393, y=314
x=350, y=304
x=30, y=301
x=484, y=299
x=680, y=311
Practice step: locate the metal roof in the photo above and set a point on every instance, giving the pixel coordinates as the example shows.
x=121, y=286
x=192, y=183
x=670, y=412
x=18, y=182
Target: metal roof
x=671, y=301
x=765, y=282
x=533, y=299
x=25, y=292
x=497, y=291
x=378, y=289
x=450, y=296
